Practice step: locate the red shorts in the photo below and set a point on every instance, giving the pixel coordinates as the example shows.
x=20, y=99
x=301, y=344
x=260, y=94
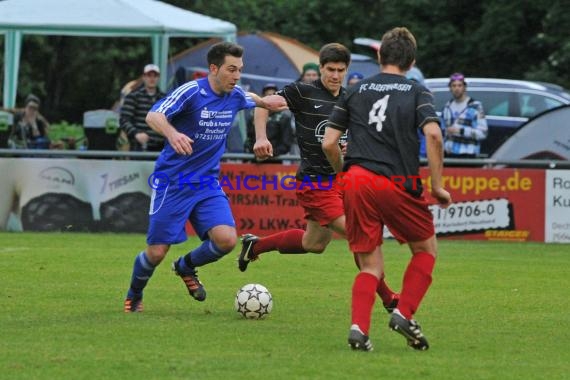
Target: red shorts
x=368, y=207
x=321, y=205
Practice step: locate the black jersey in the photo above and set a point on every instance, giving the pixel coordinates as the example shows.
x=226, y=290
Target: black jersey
x=383, y=114
x=311, y=103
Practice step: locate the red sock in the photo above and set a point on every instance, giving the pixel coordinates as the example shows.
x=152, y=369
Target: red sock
x=290, y=241
x=417, y=280
x=384, y=291
x=363, y=297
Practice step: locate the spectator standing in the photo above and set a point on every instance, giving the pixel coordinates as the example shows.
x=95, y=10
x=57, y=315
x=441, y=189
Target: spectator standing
x=279, y=131
x=382, y=116
x=135, y=108
x=463, y=121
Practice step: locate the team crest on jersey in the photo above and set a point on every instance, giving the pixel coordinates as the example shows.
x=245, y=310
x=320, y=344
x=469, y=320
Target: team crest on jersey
x=320, y=132
x=205, y=114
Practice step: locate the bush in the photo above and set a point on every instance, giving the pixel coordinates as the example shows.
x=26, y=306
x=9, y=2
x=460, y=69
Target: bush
x=71, y=136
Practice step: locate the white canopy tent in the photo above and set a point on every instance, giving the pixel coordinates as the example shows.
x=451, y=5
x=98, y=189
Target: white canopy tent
x=105, y=18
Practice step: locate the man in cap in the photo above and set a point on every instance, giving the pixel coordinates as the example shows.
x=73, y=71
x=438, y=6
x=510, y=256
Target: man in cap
x=134, y=110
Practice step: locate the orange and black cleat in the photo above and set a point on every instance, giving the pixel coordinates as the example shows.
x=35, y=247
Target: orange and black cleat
x=133, y=305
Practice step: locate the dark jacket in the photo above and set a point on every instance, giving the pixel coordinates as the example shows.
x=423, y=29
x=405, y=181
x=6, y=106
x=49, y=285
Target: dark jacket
x=279, y=133
x=133, y=114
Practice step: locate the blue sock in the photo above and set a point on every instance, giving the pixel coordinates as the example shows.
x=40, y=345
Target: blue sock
x=142, y=271
x=204, y=254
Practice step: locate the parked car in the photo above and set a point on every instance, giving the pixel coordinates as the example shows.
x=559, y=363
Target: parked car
x=508, y=103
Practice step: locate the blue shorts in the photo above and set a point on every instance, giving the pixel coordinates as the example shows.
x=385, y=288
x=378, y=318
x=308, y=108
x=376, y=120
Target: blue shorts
x=171, y=207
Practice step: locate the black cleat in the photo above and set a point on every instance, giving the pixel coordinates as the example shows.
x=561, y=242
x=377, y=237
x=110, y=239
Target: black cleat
x=194, y=286
x=409, y=329
x=393, y=304
x=357, y=340
x=246, y=255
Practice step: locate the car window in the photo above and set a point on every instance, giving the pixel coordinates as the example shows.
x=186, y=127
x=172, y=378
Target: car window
x=494, y=103
x=531, y=104
x=552, y=103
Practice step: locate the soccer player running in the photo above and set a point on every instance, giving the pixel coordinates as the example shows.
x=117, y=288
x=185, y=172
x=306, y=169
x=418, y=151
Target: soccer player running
x=382, y=114
x=195, y=119
x=311, y=104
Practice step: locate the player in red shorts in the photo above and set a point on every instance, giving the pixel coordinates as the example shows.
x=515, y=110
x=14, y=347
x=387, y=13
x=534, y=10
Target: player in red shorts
x=311, y=103
x=382, y=115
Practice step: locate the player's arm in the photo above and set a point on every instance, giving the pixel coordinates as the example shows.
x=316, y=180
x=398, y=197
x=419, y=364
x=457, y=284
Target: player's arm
x=270, y=102
x=331, y=147
x=181, y=143
x=434, y=147
x=262, y=147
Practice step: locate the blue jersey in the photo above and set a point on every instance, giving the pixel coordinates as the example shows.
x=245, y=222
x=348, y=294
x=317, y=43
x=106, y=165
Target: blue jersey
x=197, y=111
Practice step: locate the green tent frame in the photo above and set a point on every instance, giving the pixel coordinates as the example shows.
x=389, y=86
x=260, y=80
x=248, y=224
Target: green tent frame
x=21, y=17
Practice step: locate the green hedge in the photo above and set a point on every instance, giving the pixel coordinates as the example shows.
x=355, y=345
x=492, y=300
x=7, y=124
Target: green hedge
x=72, y=135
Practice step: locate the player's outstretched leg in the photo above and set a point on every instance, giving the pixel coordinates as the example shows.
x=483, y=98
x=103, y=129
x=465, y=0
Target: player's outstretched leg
x=409, y=329
x=246, y=254
x=285, y=242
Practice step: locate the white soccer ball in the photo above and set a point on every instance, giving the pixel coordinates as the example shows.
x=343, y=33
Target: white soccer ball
x=253, y=301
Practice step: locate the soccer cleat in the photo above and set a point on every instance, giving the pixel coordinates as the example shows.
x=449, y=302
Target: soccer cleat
x=357, y=340
x=194, y=286
x=133, y=305
x=246, y=255
x=409, y=329
x=393, y=304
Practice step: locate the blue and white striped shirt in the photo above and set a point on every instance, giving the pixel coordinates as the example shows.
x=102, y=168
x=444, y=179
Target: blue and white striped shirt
x=473, y=125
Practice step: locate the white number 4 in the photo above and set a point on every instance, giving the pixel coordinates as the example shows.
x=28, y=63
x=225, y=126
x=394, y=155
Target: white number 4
x=377, y=113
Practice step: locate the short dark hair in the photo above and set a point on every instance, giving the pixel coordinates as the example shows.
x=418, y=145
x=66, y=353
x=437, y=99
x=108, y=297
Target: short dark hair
x=218, y=52
x=398, y=48
x=334, y=52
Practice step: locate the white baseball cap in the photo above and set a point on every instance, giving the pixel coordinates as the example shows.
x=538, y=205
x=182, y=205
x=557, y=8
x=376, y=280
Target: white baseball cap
x=151, y=67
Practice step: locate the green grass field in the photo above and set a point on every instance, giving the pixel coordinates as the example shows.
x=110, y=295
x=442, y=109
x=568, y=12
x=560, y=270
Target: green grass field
x=495, y=311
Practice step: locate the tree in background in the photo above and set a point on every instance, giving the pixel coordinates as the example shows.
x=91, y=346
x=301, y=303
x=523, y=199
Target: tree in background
x=524, y=39
x=489, y=38
x=554, y=42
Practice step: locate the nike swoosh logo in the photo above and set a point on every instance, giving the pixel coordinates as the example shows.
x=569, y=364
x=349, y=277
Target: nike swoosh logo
x=319, y=106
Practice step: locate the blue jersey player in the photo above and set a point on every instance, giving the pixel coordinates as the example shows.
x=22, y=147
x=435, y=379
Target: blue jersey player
x=195, y=120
